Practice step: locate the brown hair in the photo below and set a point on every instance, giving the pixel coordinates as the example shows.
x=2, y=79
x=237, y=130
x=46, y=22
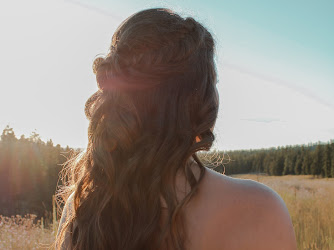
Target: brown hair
x=157, y=94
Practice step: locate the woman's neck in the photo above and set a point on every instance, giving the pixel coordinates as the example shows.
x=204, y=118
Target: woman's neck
x=182, y=186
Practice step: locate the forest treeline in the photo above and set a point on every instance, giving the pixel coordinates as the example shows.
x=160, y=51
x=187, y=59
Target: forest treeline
x=30, y=167
x=29, y=171
x=315, y=159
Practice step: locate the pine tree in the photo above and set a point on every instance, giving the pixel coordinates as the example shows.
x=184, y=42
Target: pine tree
x=8, y=135
x=316, y=166
x=332, y=160
x=326, y=165
x=287, y=163
x=298, y=165
x=306, y=163
x=277, y=165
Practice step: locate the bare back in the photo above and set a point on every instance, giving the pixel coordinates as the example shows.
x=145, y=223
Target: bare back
x=229, y=213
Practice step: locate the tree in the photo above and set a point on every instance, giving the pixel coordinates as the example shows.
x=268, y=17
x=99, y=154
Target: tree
x=258, y=161
x=289, y=161
x=277, y=165
x=332, y=160
x=307, y=161
x=298, y=165
x=326, y=165
x=8, y=135
x=316, y=166
x=34, y=137
x=29, y=171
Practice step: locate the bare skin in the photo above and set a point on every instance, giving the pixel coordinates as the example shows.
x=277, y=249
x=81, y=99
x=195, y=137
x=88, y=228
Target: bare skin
x=229, y=213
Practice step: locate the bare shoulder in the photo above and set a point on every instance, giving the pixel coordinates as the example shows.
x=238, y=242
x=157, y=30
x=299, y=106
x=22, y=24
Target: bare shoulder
x=246, y=214
x=67, y=212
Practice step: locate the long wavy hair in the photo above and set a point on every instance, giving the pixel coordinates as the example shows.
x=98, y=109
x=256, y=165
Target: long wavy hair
x=155, y=109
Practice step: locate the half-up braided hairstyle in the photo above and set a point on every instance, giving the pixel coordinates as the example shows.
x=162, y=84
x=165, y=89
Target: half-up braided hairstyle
x=156, y=96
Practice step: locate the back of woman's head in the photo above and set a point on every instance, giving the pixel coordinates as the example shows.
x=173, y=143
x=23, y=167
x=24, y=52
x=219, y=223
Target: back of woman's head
x=155, y=108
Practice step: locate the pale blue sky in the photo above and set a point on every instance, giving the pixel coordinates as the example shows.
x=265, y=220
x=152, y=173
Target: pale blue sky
x=275, y=61
x=297, y=34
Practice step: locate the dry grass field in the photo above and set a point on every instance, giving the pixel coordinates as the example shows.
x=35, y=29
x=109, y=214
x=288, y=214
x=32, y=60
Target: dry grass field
x=310, y=202
x=24, y=233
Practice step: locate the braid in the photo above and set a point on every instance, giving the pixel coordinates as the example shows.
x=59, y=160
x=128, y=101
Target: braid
x=175, y=46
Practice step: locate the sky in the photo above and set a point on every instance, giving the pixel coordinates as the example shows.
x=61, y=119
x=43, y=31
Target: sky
x=275, y=62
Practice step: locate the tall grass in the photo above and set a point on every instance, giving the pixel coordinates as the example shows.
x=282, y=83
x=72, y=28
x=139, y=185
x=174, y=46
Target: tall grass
x=310, y=202
x=18, y=232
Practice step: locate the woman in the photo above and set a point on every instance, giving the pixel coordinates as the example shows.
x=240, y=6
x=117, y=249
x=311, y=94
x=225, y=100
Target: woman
x=140, y=184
